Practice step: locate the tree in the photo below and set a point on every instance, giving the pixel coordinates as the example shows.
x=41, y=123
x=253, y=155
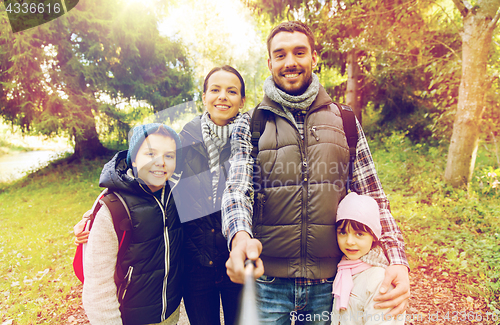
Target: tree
x=389, y=50
x=216, y=38
x=58, y=77
x=479, y=22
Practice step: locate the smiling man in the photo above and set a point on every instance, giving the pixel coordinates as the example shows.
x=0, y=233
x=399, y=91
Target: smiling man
x=301, y=173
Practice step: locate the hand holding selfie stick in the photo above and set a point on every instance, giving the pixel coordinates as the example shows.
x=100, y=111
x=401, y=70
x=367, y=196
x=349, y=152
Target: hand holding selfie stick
x=248, y=306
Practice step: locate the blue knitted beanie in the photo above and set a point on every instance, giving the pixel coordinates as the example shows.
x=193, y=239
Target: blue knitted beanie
x=139, y=133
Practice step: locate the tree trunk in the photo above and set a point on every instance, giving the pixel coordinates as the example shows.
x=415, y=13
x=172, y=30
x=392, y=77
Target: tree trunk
x=352, y=94
x=476, y=41
x=87, y=144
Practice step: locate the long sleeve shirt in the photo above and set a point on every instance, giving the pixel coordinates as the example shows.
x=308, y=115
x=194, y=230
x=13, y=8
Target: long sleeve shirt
x=99, y=289
x=237, y=201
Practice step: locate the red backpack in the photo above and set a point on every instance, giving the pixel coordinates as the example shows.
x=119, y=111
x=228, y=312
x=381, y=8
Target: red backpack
x=122, y=224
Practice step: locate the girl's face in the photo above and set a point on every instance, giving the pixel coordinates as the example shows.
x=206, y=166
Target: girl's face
x=223, y=97
x=354, y=243
x=155, y=160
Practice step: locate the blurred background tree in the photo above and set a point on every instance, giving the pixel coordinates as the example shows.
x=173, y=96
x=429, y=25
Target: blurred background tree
x=398, y=63
x=479, y=21
x=59, y=77
x=403, y=60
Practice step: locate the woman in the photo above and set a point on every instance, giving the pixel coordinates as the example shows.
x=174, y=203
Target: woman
x=206, y=149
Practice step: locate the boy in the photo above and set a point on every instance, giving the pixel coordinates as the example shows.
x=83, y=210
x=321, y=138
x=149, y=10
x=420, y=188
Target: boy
x=151, y=292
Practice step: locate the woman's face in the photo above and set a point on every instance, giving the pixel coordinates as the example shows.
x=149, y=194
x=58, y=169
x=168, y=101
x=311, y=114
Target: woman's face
x=223, y=97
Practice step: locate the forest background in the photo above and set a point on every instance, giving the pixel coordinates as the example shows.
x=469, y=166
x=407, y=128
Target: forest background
x=422, y=76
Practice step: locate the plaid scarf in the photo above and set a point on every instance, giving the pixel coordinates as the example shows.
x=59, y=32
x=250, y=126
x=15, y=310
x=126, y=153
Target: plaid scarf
x=215, y=138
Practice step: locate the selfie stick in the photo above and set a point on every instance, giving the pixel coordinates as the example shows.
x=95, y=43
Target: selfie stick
x=248, y=306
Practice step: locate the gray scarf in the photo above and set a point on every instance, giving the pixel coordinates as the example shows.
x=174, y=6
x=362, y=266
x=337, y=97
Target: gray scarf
x=215, y=138
x=292, y=103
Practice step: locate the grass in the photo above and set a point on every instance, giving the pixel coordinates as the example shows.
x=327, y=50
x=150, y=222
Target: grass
x=454, y=230
x=37, y=215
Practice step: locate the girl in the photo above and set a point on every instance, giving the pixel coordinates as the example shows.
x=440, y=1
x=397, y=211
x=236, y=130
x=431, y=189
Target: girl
x=153, y=257
x=361, y=270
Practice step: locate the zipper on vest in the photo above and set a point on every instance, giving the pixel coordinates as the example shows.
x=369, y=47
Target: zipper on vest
x=315, y=128
x=166, y=241
x=303, y=240
x=127, y=278
x=167, y=253
x=314, y=134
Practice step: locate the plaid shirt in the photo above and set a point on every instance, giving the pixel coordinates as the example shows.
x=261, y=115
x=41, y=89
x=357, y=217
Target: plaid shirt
x=237, y=201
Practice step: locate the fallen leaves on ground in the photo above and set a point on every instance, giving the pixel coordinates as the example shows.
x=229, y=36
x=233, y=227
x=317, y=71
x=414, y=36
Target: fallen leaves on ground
x=435, y=299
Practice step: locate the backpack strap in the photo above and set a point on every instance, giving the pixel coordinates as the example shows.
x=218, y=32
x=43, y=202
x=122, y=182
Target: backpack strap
x=122, y=224
x=351, y=134
x=257, y=126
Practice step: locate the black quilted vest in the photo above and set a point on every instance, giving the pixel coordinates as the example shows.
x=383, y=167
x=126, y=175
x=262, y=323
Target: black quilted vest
x=154, y=291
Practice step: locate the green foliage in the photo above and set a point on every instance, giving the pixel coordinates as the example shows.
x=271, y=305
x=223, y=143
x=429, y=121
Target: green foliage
x=224, y=32
x=409, y=53
x=489, y=181
x=58, y=77
x=456, y=230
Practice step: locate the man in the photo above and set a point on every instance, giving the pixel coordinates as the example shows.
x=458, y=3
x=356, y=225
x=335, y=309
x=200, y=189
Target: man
x=301, y=167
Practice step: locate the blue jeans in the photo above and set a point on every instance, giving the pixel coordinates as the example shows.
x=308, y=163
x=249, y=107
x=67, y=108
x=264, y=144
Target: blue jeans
x=281, y=300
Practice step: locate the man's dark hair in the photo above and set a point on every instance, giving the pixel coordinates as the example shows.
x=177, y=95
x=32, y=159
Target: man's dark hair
x=226, y=68
x=291, y=26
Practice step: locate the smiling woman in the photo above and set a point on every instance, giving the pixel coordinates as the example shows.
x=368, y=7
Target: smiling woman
x=222, y=96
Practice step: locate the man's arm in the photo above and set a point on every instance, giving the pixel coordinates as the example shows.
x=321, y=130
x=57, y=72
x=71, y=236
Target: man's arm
x=237, y=200
x=237, y=205
x=366, y=181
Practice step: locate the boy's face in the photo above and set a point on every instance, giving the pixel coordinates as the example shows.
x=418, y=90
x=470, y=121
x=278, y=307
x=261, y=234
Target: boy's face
x=354, y=243
x=291, y=62
x=155, y=160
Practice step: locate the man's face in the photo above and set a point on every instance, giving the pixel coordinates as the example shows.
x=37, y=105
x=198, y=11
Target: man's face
x=291, y=62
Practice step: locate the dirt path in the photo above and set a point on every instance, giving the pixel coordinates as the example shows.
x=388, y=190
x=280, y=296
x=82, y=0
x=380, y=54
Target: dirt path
x=435, y=299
